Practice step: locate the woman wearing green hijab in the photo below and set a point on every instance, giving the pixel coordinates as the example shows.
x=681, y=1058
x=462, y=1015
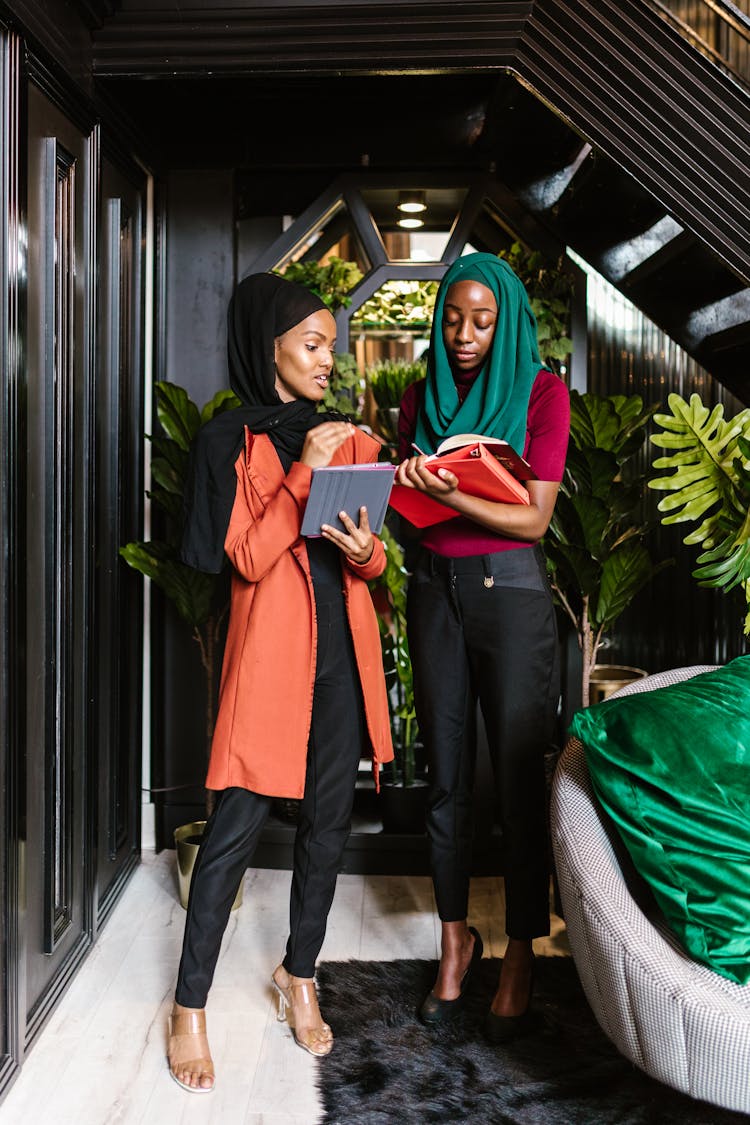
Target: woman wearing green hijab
x=481, y=621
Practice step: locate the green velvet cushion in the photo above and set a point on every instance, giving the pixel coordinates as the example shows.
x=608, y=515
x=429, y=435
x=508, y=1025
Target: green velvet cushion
x=672, y=769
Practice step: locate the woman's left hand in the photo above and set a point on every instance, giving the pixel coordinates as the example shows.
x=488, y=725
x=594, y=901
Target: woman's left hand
x=357, y=543
x=413, y=473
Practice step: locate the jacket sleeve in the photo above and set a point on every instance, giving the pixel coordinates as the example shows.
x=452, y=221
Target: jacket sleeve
x=254, y=544
x=374, y=566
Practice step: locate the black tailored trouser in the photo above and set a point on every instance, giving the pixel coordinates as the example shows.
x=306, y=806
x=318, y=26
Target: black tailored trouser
x=483, y=628
x=233, y=829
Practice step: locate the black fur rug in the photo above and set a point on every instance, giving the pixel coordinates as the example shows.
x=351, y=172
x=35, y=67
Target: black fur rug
x=387, y=1069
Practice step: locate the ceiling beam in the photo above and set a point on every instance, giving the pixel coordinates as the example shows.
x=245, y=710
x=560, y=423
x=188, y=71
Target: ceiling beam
x=369, y=38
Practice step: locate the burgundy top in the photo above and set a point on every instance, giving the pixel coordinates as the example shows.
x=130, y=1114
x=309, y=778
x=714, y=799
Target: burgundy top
x=547, y=429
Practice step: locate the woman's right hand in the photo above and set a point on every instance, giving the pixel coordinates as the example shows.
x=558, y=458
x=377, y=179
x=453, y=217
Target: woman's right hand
x=413, y=473
x=322, y=442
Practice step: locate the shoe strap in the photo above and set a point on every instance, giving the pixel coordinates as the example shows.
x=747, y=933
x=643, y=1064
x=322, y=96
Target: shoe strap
x=305, y=987
x=189, y=1023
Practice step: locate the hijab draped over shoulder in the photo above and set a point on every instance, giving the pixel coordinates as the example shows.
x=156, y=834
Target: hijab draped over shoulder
x=263, y=307
x=498, y=401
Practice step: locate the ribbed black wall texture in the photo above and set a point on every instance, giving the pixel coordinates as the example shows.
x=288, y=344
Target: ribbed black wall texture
x=673, y=621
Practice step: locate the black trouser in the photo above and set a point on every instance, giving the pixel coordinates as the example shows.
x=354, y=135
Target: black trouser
x=484, y=628
x=233, y=829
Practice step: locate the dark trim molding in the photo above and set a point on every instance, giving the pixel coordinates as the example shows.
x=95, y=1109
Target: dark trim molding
x=94, y=12
x=12, y=530
x=57, y=988
x=88, y=659
x=45, y=73
x=109, y=900
x=362, y=38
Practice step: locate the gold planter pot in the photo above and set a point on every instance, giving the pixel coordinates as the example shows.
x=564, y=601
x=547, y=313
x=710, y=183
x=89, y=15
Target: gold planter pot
x=187, y=840
x=609, y=678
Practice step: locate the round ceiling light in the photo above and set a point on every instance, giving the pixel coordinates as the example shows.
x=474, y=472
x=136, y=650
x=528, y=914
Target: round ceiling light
x=411, y=202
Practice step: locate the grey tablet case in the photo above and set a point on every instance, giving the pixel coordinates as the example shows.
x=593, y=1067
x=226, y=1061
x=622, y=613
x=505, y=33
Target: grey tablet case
x=337, y=488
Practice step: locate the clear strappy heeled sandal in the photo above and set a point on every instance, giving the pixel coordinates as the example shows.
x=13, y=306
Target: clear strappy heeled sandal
x=299, y=998
x=190, y=1025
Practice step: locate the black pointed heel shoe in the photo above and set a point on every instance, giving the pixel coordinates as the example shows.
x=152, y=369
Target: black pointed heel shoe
x=434, y=1010
x=501, y=1029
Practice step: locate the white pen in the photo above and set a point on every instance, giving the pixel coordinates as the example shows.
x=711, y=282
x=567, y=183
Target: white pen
x=421, y=452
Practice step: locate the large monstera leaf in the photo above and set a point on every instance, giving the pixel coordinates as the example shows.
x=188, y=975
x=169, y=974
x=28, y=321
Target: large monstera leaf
x=709, y=484
x=704, y=480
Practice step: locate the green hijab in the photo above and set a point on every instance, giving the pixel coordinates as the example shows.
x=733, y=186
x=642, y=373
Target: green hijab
x=498, y=401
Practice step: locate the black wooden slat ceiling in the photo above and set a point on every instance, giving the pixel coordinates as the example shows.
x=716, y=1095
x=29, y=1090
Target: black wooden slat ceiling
x=613, y=131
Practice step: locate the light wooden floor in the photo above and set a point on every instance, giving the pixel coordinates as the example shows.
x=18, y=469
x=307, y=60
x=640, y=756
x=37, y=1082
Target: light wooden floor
x=101, y=1058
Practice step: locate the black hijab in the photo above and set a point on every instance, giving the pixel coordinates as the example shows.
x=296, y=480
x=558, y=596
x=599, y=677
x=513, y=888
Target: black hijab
x=263, y=307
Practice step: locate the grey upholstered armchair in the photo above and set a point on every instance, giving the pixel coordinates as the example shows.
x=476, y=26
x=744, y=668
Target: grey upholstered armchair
x=675, y=1019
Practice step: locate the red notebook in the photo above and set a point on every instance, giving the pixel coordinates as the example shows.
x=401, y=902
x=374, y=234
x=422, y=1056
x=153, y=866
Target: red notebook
x=479, y=473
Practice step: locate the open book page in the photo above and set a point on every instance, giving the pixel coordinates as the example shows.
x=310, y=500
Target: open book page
x=347, y=488
x=499, y=449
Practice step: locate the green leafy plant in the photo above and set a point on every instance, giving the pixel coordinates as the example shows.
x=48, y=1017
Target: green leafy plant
x=710, y=485
x=398, y=304
x=550, y=288
x=346, y=387
x=332, y=282
x=594, y=546
x=397, y=664
x=193, y=593
x=388, y=379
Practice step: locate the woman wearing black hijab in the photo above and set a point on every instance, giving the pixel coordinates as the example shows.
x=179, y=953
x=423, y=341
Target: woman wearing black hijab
x=302, y=686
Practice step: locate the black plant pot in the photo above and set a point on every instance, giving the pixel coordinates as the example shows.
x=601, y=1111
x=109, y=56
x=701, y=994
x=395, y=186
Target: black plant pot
x=403, y=807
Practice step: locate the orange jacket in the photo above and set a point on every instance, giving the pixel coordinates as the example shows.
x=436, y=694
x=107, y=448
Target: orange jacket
x=265, y=700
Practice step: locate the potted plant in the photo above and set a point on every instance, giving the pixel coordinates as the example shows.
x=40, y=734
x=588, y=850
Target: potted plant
x=403, y=793
x=195, y=595
x=709, y=482
x=387, y=379
x=596, y=555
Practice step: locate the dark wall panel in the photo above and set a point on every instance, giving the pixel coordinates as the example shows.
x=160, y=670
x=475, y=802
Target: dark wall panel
x=199, y=279
x=199, y=272
x=70, y=652
x=12, y=441
x=672, y=622
x=57, y=900
x=118, y=590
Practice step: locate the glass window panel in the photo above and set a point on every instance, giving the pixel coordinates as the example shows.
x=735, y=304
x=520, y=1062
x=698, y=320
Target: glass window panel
x=333, y=235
